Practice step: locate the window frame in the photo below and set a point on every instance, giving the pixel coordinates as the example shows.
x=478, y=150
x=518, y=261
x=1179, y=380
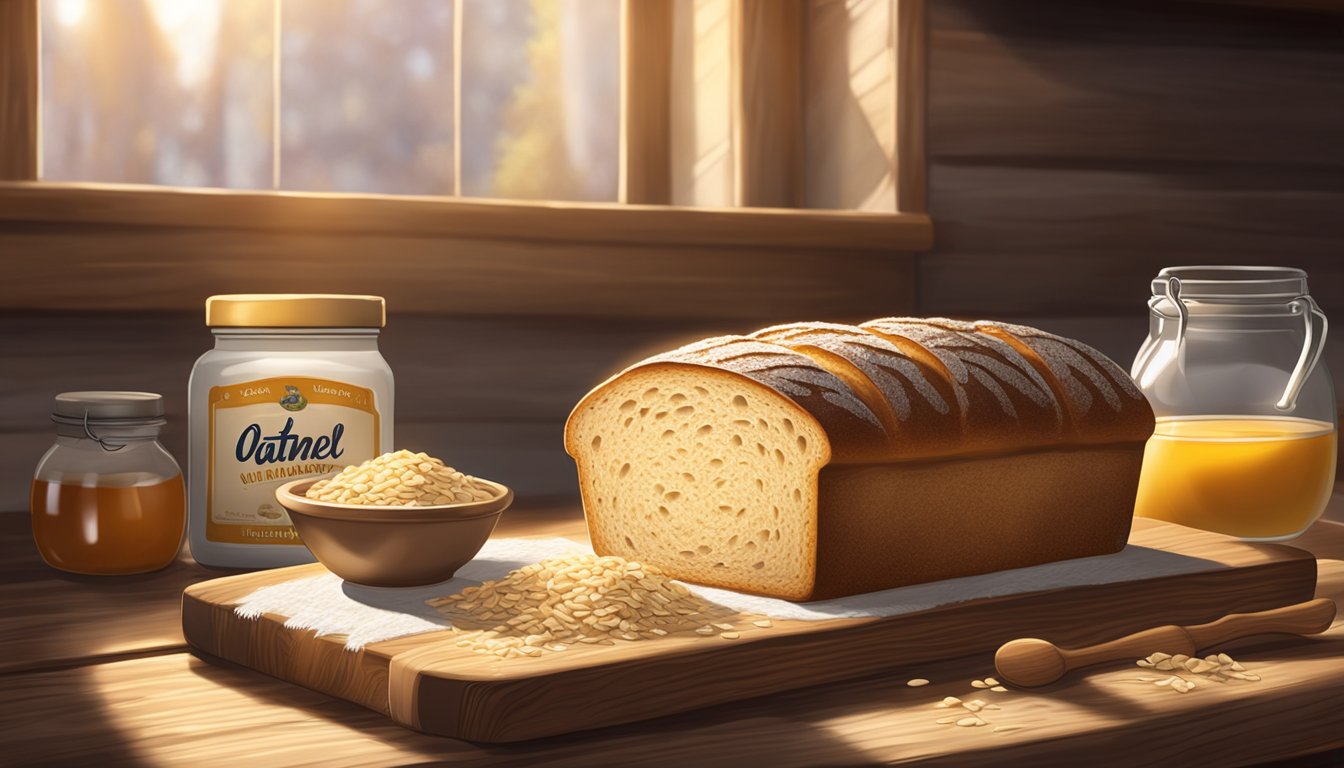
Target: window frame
x=640, y=220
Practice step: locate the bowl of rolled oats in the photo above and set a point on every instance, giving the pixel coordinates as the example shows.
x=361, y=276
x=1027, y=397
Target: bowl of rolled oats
x=402, y=519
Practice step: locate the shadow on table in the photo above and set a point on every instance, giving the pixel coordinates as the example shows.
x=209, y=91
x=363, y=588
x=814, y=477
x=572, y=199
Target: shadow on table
x=773, y=730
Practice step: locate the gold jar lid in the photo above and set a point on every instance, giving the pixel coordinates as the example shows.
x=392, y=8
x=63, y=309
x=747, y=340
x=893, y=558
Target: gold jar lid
x=295, y=310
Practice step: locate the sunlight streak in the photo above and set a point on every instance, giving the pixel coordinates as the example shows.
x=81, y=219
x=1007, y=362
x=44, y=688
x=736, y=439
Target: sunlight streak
x=191, y=27
x=71, y=12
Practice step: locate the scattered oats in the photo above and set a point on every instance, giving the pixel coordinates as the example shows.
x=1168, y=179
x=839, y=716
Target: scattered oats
x=1007, y=728
x=918, y=682
x=971, y=714
x=991, y=681
x=999, y=689
x=1216, y=667
x=549, y=606
x=725, y=626
x=763, y=623
x=730, y=635
x=979, y=684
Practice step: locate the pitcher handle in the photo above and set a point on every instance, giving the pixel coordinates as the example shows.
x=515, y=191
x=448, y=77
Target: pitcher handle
x=1173, y=294
x=1312, y=347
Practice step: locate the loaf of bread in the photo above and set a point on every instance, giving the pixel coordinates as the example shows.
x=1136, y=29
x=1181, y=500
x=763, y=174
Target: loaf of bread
x=815, y=460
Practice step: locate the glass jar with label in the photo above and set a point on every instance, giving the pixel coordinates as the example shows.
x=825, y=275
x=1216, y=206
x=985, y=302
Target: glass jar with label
x=295, y=387
x=107, y=499
x=1245, y=441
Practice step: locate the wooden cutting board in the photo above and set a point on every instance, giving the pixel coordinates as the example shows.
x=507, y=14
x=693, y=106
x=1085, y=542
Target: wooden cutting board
x=427, y=683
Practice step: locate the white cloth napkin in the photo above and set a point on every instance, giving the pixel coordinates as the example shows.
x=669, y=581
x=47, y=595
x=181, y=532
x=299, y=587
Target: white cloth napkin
x=330, y=606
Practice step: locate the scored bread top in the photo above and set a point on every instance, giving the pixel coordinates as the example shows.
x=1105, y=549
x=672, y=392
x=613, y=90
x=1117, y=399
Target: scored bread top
x=915, y=403
x=896, y=389
x=1103, y=403
x=1008, y=405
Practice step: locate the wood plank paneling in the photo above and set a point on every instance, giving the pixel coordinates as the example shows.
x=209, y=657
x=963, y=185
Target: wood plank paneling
x=1042, y=241
x=103, y=266
x=18, y=89
x=1077, y=148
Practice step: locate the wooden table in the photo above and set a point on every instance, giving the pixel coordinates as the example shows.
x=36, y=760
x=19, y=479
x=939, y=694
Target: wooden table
x=95, y=672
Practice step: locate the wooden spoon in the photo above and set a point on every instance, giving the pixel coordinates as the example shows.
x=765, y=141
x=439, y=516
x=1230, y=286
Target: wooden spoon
x=1030, y=662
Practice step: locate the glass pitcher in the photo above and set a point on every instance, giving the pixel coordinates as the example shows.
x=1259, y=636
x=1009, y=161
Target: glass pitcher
x=1246, y=420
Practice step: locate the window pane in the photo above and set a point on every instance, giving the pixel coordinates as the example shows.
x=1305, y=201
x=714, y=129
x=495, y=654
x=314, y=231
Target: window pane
x=702, y=127
x=157, y=91
x=540, y=98
x=849, y=105
x=367, y=96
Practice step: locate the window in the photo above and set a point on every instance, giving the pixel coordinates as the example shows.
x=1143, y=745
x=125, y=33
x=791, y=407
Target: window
x=335, y=95
x=751, y=138
x=706, y=103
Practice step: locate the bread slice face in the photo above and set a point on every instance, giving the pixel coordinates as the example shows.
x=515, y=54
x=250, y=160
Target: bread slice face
x=705, y=472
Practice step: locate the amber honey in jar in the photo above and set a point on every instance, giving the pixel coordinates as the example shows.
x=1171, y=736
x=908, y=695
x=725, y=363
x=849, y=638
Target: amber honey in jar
x=107, y=499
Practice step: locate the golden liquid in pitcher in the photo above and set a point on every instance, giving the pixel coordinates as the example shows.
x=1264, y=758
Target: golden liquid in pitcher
x=1256, y=478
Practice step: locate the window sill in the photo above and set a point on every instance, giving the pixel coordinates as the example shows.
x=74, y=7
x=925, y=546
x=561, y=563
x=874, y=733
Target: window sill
x=120, y=205
x=84, y=247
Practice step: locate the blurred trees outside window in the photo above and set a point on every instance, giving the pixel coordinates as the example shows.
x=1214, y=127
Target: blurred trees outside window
x=353, y=96
x=514, y=99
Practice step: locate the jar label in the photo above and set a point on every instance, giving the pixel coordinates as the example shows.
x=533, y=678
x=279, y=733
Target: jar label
x=267, y=432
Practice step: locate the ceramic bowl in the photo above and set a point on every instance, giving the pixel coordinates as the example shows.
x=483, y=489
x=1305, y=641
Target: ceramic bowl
x=385, y=546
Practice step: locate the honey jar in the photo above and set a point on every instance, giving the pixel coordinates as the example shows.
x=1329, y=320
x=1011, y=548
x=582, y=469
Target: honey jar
x=107, y=499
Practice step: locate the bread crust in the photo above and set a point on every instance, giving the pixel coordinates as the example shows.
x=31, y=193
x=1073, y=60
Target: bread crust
x=921, y=411
x=952, y=447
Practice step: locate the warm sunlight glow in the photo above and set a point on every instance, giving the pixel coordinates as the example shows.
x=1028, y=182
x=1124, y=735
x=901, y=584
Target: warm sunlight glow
x=71, y=12
x=191, y=27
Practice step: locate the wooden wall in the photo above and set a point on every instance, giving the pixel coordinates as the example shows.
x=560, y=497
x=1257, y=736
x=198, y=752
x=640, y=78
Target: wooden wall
x=1075, y=148
x=1078, y=147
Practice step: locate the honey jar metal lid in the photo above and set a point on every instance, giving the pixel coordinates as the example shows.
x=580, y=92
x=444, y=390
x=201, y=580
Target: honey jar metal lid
x=295, y=310
x=76, y=407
